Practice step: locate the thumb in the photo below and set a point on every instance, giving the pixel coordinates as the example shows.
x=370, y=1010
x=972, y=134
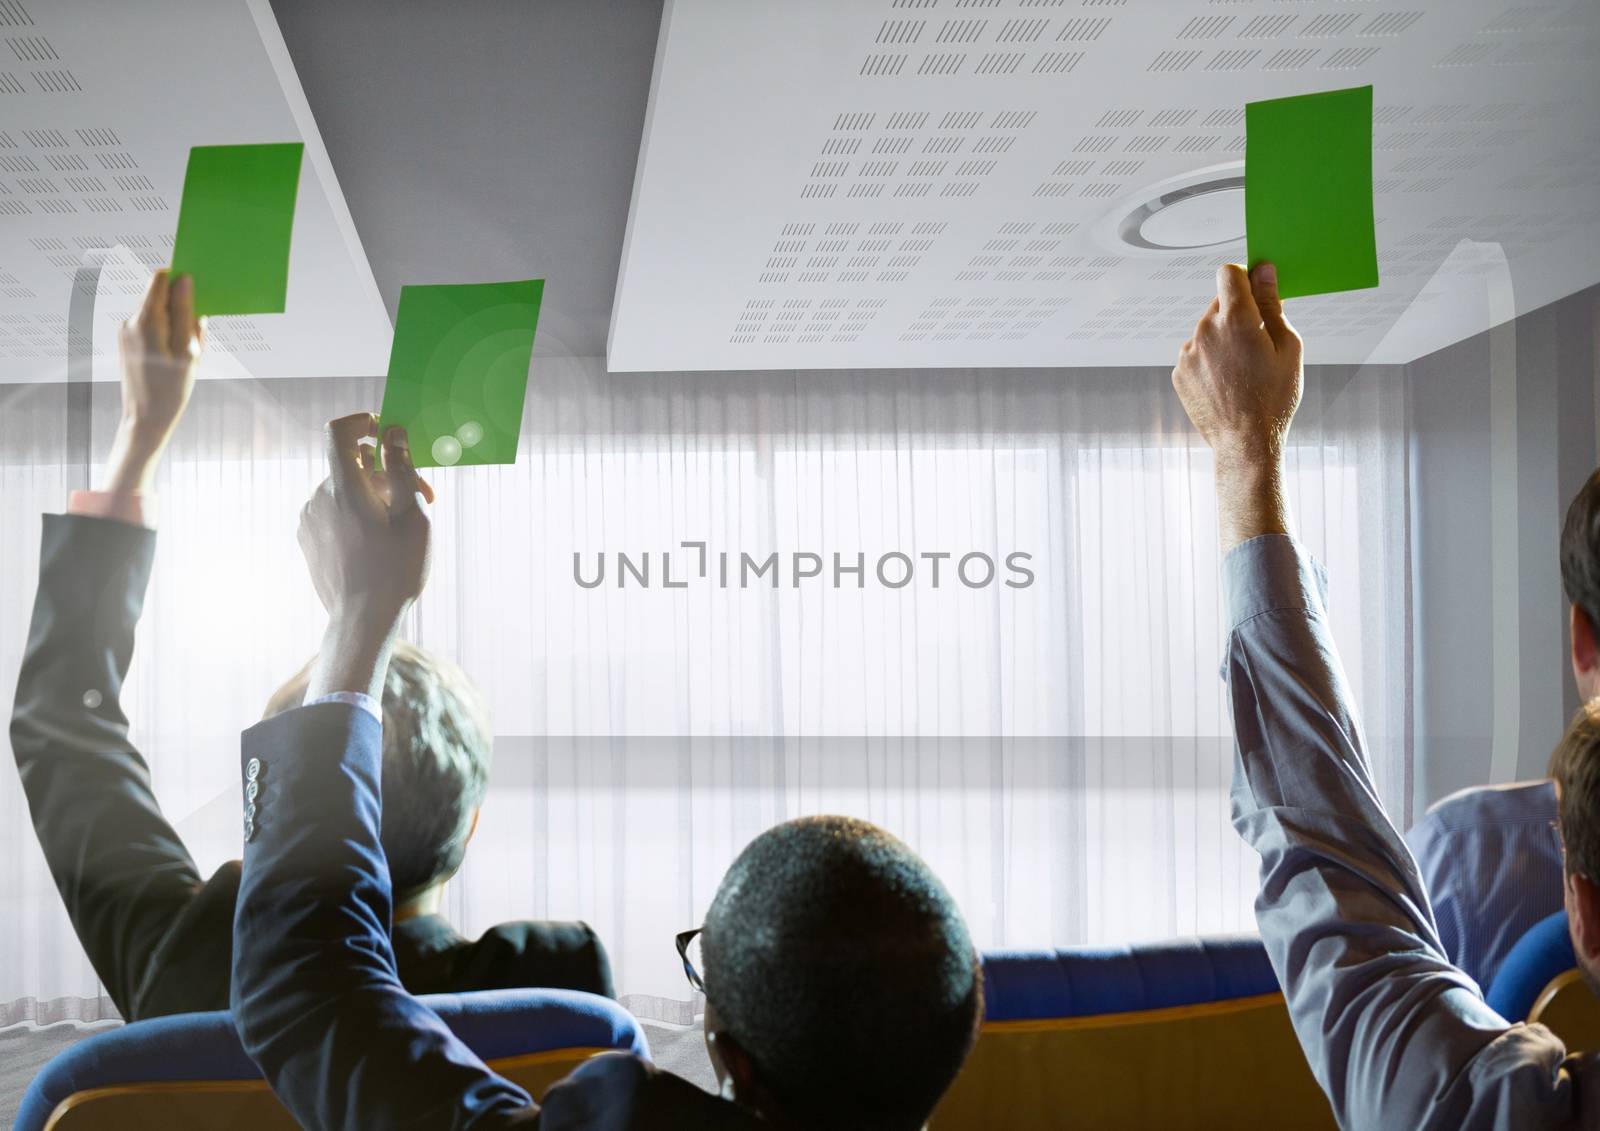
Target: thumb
x=1264, y=285
x=1234, y=300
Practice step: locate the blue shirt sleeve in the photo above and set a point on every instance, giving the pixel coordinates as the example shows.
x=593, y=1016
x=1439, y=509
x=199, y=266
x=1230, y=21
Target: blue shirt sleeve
x=316, y=998
x=1396, y=1035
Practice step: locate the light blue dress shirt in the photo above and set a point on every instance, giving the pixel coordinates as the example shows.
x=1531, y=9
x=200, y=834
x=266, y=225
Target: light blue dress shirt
x=351, y=699
x=1396, y=1035
x=1490, y=859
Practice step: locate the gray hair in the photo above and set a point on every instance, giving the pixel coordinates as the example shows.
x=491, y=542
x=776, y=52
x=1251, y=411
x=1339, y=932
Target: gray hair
x=437, y=747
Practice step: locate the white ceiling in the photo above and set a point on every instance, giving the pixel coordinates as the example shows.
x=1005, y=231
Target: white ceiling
x=909, y=183
x=99, y=104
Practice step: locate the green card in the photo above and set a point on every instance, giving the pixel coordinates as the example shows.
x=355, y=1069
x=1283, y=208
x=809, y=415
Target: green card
x=233, y=228
x=1308, y=190
x=458, y=370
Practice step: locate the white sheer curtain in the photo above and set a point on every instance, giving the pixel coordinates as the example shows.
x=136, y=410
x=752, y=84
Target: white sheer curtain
x=1058, y=750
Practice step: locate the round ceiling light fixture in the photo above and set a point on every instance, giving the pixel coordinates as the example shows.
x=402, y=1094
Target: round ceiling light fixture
x=1193, y=212
x=1206, y=215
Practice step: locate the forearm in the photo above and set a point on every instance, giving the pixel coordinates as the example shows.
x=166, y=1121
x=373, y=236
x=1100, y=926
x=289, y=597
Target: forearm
x=135, y=457
x=1250, y=496
x=355, y=652
x=316, y=997
x=1387, y=1024
x=92, y=579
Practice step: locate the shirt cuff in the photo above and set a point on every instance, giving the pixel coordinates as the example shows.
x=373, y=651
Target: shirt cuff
x=1272, y=572
x=136, y=508
x=351, y=699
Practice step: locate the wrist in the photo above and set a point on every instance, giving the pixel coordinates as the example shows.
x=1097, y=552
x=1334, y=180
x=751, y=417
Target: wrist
x=1247, y=455
x=354, y=655
x=1250, y=499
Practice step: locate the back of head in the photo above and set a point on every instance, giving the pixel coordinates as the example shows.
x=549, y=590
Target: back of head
x=1580, y=550
x=837, y=961
x=1575, y=766
x=437, y=747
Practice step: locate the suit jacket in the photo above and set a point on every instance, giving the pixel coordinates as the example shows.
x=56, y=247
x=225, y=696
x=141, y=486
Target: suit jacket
x=317, y=995
x=160, y=937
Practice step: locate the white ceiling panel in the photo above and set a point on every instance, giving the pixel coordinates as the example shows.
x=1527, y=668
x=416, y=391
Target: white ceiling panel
x=99, y=104
x=863, y=183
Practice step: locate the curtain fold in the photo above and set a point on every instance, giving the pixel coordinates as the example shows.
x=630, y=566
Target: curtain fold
x=1048, y=729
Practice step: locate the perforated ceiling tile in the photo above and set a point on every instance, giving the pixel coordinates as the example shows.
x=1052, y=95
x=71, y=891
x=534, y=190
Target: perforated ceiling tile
x=1004, y=140
x=93, y=145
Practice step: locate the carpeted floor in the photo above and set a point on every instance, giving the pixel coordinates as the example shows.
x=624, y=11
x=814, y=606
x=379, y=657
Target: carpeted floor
x=24, y=1049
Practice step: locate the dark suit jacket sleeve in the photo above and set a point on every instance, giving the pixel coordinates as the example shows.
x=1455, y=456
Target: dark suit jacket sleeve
x=122, y=871
x=315, y=994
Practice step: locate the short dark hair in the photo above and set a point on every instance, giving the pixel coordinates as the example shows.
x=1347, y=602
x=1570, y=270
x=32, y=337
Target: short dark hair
x=841, y=966
x=437, y=747
x=1580, y=550
x=1575, y=766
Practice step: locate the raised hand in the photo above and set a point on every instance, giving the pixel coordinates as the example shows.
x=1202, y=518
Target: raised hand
x=160, y=348
x=367, y=540
x=1240, y=380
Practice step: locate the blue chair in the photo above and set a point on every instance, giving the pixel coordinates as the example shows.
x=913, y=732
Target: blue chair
x=189, y=1070
x=1540, y=983
x=1530, y=965
x=1189, y=1033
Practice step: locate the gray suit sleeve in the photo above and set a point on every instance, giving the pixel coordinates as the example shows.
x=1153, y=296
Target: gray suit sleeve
x=122, y=871
x=1397, y=1036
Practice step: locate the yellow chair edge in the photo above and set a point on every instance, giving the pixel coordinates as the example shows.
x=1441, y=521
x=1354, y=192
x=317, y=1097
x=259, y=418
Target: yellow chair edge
x=1137, y=1017
x=234, y=1087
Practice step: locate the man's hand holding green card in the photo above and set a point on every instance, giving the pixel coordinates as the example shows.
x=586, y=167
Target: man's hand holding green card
x=458, y=370
x=1308, y=190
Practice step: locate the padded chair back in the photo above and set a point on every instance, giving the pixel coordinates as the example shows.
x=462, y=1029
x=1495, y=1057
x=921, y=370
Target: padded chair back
x=190, y=1071
x=1184, y=1034
x=1539, y=956
x=1570, y=1010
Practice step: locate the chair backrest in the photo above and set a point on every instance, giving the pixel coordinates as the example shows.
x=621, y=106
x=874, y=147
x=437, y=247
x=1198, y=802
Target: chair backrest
x=1569, y=1009
x=190, y=1071
x=1183, y=1034
x=1529, y=966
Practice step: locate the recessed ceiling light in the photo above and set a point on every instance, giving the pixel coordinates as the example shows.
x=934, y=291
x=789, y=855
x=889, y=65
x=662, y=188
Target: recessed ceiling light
x=1200, y=209
x=1204, y=215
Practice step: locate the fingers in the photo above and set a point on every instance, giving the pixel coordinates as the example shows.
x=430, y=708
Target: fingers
x=1264, y=286
x=183, y=331
x=1233, y=295
x=153, y=320
x=408, y=485
x=343, y=439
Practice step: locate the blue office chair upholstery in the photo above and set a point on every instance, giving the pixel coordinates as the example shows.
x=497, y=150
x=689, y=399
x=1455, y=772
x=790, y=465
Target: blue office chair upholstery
x=1024, y=985
x=190, y=1070
x=1530, y=965
x=1189, y=1033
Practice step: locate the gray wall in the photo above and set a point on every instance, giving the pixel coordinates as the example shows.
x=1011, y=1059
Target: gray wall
x=1458, y=698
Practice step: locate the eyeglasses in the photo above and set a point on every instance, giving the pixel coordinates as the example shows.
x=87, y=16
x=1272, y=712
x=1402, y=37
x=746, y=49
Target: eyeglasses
x=689, y=952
